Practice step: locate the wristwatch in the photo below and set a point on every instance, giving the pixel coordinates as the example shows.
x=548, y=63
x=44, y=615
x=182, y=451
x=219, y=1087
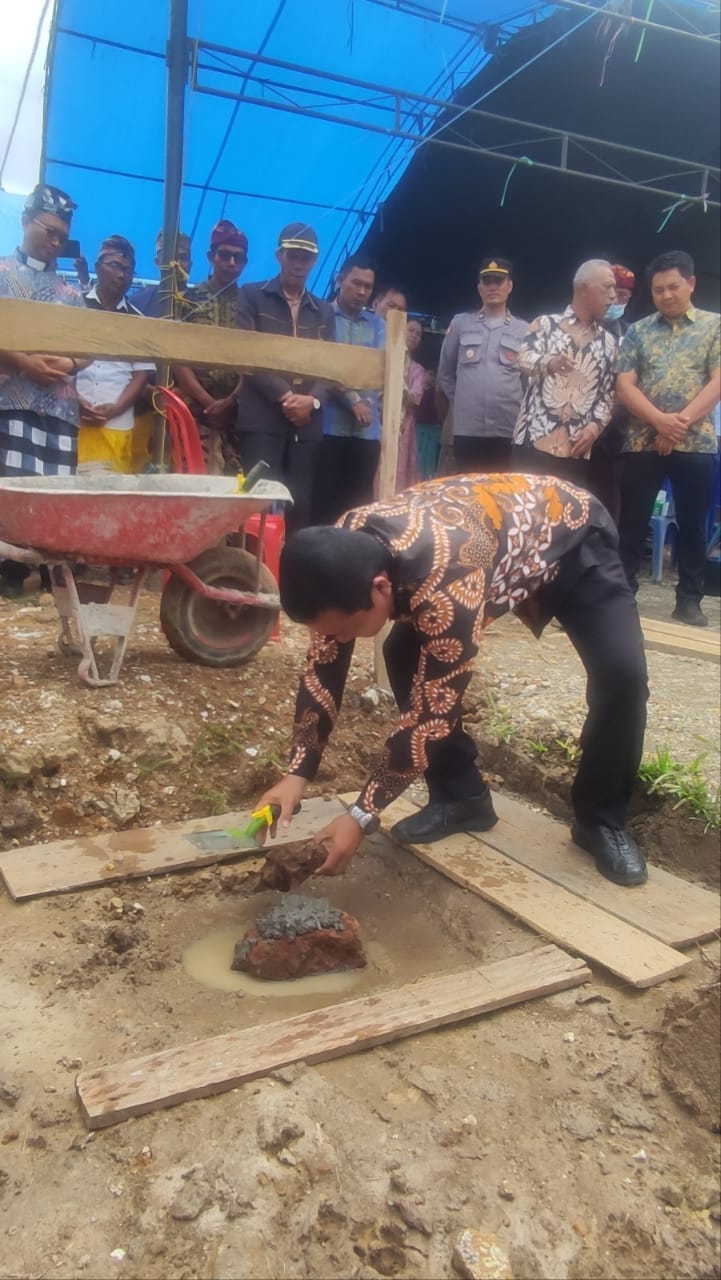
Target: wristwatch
x=368, y=822
x=316, y=403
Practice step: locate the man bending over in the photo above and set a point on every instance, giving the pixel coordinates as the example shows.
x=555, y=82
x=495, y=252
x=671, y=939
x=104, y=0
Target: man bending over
x=441, y=562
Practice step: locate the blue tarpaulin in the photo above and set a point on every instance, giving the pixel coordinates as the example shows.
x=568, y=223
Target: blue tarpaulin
x=257, y=165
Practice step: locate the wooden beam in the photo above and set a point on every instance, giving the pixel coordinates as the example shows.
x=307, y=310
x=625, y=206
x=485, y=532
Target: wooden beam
x=687, y=642
x=666, y=907
x=549, y=909
x=393, y=389
x=52, y=330
x=213, y=1066
x=85, y=861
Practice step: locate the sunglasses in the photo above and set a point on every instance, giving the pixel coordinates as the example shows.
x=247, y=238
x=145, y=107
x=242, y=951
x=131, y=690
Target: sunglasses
x=57, y=237
x=230, y=255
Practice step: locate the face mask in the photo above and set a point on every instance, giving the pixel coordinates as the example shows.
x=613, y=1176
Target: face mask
x=615, y=311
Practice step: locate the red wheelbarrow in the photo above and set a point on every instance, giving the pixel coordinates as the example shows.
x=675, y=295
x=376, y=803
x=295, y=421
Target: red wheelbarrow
x=218, y=605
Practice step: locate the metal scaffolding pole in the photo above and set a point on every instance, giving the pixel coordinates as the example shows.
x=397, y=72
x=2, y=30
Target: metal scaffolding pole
x=576, y=155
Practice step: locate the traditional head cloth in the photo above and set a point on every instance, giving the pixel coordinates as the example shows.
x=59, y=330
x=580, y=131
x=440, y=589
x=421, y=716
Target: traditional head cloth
x=47, y=199
x=625, y=279
x=117, y=244
x=225, y=232
x=183, y=239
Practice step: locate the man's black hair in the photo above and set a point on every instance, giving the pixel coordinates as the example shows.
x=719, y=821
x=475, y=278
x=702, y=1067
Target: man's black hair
x=390, y=288
x=673, y=260
x=328, y=568
x=359, y=260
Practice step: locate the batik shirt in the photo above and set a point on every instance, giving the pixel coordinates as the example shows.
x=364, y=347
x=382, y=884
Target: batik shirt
x=564, y=403
x=18, y=279
x=464, y=551
x=200, y=306
x=672, y=362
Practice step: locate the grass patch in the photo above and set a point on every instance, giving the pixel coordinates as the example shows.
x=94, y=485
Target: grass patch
x=500, y=720
x=215, y=801
x=682, y=783
x=218, y=742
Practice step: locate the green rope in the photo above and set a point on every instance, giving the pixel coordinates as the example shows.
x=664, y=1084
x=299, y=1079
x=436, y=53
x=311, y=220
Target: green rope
x=511, y=171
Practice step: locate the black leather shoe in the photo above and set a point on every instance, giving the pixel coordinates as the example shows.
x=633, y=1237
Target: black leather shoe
x=437, y=821
x=617, y=855
x=690, y=612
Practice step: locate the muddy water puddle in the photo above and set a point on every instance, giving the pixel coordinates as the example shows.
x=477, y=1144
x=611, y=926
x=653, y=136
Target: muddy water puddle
x=401, y=934
x=208, y=961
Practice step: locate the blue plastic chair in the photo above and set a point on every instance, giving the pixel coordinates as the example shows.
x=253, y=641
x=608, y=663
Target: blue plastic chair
x=661, y=527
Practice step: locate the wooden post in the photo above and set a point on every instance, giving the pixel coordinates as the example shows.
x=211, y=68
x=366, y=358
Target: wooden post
x=393, y=384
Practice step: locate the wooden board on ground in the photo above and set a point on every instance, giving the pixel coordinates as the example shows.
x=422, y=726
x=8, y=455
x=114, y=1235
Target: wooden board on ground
x=104, y=335
x=223, y=1062
x=666, y=907
x=550, y=909
x=85, y=861
x=688, y=642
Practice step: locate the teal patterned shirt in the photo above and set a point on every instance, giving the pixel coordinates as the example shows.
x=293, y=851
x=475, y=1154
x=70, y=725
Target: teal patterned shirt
x=672, y=362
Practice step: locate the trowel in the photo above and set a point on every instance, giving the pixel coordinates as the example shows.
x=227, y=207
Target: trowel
x=235, y=839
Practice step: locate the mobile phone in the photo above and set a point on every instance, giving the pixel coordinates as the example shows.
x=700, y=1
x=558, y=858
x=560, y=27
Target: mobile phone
x=71, y=249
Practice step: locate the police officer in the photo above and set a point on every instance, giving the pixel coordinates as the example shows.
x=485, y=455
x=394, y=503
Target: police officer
x=478, y=375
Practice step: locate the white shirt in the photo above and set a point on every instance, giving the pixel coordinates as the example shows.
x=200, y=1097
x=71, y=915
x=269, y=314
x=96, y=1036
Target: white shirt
x=104, y=381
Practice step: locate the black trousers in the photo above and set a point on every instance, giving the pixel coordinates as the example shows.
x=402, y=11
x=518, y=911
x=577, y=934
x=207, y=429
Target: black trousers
x=345, y=476
x=592, y=600
x=481, y=454
x=292, y=461
x=692, y=478
x=535, y=462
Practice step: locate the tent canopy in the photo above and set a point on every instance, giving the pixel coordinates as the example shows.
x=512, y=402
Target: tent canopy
x=330, y=65
x=260, y=167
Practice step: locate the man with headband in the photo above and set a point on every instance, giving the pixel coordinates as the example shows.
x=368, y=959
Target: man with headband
x=38, y=399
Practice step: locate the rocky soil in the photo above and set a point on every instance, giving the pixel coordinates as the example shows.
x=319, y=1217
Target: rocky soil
x=581, y=1130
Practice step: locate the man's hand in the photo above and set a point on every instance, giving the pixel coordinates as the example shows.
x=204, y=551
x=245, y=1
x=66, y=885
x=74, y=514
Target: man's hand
x=106, y=412
x=297, y=409
x=90, y=413
x=560, y=364
x=287, y=793
x=217, y=409
x=671, y=427
x=341, y=838
x=45, y=370
x=363, y=413
x=584, y=441
x=664, y=447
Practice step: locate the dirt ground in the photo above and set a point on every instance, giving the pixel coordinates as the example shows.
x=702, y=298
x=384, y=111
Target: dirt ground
x=582, y=1129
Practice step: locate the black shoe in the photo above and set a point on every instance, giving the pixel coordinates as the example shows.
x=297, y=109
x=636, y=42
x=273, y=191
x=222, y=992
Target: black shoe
x=617, y=855
x=437, y=821
x=690, y=612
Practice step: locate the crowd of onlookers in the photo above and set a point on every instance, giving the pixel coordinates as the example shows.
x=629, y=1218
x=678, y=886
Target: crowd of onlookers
x=577, y=394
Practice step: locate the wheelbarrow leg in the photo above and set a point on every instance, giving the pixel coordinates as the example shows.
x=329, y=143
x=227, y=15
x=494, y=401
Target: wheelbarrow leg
x=92, y=620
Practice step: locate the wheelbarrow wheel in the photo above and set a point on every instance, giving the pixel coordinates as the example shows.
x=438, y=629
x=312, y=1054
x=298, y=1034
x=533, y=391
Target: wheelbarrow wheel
x=209, y=631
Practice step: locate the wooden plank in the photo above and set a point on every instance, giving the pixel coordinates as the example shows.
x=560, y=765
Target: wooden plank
x=666, y=907
x=84, y=861
x=674, y=637
x=550, y=909
x=213, y=1066
x=393, y=387
x=44, y=327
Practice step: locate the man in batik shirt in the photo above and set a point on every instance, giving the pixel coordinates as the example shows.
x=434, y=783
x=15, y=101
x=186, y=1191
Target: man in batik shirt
x=442, y=561
x=567, y=361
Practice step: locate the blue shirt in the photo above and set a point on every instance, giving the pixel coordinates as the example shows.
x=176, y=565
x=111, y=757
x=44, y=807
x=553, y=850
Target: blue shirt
x=363, y=330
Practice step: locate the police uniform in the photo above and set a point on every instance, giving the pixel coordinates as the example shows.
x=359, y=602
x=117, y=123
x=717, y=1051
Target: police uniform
x=479, y=374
